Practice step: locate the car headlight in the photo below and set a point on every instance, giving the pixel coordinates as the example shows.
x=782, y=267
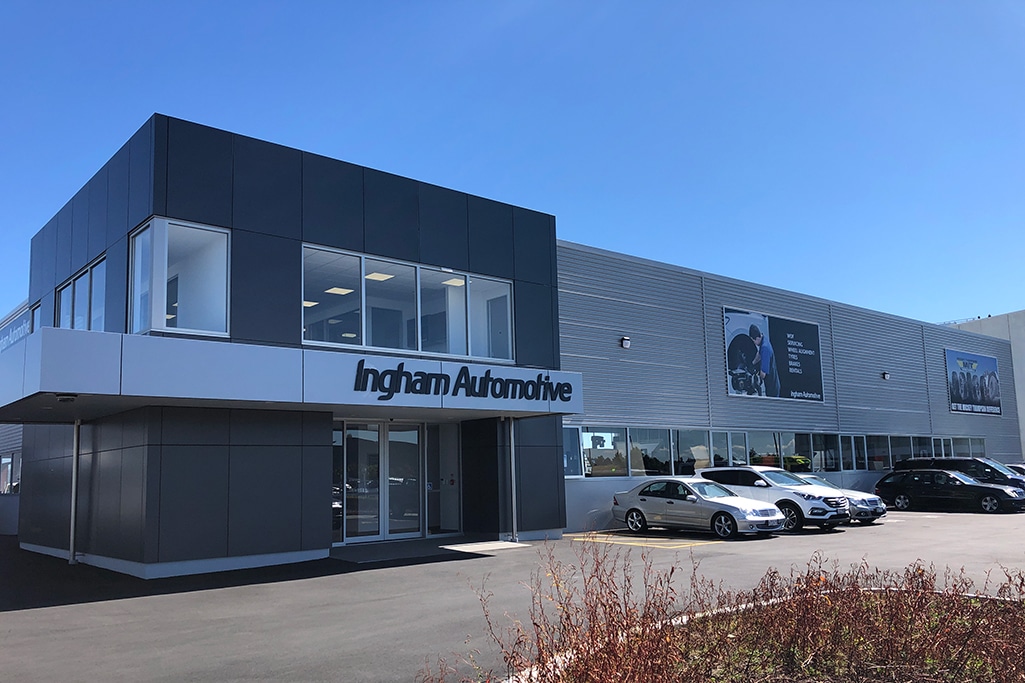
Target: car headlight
x=809, y=496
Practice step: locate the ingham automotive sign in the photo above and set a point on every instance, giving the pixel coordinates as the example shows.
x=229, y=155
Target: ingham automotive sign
x=385, y=381
x=15, y=331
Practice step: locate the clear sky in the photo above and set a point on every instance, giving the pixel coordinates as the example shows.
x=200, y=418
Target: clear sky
x=866, y=151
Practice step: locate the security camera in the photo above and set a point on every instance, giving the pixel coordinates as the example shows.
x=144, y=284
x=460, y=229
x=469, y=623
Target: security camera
x=66, y=398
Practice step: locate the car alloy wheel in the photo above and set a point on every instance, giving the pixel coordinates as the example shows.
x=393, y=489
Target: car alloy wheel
x=793, y=520
x=989, y=503
x=902, y=501
x=724, y=526
x=635, y=521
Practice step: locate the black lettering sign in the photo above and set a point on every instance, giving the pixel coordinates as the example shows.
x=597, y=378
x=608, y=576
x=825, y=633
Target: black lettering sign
x=398, y=380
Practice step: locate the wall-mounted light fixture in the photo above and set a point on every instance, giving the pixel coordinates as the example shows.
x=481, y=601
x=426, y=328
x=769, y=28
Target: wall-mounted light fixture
x=624, y=342
x=886, y=375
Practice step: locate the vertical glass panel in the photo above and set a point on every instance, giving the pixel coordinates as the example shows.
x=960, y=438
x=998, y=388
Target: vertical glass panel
x=978, y=448
x=738, y=448
x=572, y=463
x=443, y=479
x=825, y=452
x=64, y=307
x=788, y=450
x=691, y=451
x=962, y=447
x=802, y=458
x=490, y=318
x=720, y=449
x=362, y=480
x=391, y=305
x=649, y=451
x=142, y=277
x=860, y=453
x=442, y=312
x=97, y=298
x=878, y=452
x=937, y=448
x=763, y=448
x=197, y=269
x=604, y=451
x=900, y=448
x=923, y=447
x=171, y=302
x=80, y=310
x=36, y=319
x=332, y=290
x=405, y=482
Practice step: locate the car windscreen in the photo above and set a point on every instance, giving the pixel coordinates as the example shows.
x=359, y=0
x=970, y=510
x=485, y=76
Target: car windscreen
x=999, y=467
x=820, y=482
x=964, y=478
x=784, y=478
x=711, y=490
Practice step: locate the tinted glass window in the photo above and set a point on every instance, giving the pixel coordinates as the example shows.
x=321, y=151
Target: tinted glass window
x=391, y=305
x=490, y=318
x=442, y=312
x=745, y=478
x=649, y=451
x=571, y=461
x=332, y=291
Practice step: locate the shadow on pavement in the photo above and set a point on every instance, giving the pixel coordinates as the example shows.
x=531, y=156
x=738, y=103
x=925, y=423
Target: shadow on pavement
x=29, y=580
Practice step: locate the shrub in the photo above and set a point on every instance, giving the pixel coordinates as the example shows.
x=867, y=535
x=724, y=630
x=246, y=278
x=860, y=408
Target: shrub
x=591, y=622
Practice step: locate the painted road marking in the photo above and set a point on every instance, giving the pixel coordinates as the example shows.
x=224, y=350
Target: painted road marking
x=640, y=542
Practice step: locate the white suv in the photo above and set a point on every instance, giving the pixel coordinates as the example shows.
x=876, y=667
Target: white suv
x=801, y=502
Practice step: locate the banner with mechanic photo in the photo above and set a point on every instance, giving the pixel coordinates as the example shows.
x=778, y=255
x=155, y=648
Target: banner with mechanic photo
x=771, y=357
x=972, y=383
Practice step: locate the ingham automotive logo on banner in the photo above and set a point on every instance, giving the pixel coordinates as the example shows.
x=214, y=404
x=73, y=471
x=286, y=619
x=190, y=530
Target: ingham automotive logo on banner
x=343, y=378
x=973, y=383
x=771, y=357
x=15, y=331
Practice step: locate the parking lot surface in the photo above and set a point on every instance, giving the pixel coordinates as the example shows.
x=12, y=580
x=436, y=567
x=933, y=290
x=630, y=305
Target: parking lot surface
x=336, y=620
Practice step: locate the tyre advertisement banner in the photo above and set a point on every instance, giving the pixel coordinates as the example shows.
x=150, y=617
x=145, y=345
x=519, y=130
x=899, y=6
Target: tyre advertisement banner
x=972, y=383
x=771, y=357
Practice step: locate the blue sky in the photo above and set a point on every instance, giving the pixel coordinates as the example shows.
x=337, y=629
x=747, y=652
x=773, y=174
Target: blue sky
x=866, y=151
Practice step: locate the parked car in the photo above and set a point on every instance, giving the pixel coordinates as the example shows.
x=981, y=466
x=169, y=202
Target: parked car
x=1018, y=467
x=982, y=469
x=693, y=503
x=865, y=507
x=800, y=502
x=946, y=490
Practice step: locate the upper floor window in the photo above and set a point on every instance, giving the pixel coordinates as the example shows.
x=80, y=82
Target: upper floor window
x=80, y=303
x=179, y=278
x=365, y=301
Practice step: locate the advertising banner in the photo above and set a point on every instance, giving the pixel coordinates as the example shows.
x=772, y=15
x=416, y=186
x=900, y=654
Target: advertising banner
x=771, y=357
x=972, y=383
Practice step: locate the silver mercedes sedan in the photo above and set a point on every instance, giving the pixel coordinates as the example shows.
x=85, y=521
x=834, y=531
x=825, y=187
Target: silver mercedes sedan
x=694, y=503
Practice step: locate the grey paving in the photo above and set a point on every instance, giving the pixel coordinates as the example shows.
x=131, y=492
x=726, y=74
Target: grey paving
x=382, y=619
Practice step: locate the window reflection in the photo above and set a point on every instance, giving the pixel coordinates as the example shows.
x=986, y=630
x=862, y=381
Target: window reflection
x=332, y=292
x=649, y=451
x=604, y=451
x=391, y=305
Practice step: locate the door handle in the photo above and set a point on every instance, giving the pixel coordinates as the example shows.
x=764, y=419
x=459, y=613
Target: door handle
x=669, y=502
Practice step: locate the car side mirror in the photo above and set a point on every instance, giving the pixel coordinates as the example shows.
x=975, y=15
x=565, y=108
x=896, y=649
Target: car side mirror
x=759, y=482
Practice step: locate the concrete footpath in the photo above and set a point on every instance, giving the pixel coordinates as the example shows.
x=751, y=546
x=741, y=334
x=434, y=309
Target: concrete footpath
x=368, y=616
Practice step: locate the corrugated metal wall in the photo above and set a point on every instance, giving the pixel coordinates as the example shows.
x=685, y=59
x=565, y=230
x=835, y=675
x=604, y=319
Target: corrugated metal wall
x=674, y=373
x=10, y=438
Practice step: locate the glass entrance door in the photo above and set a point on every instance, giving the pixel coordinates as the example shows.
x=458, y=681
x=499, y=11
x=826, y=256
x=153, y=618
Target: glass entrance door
x=378, y=482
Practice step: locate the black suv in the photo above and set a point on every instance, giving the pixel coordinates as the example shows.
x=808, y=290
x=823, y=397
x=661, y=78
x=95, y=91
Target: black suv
x=981, y=469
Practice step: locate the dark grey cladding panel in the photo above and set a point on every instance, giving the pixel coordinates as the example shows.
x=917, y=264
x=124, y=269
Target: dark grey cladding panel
x=43, y=274
x=105, y=510
x=391, y=224
x=63, y=267
x=118, y=173
x=87, y=484
x=267, y=188
x=266, y=288
x=141, y=174
x=491, y=238
x=46, y=307
x=444, y=237
x=193, y=509
x=481, y=476
x=97, y=237
x=145, y=426
x=534, y=240
x=545, y=430
x=199, y=173
x=195, y=426
x=317, y=429
x=661, y=379
x=132, y=515
x=79, y=228
x=865, y=345
x=265, y=500
x=541, y=488
x=332, y=202
x=316, y=495
x=115, y=314
x=535, y=325
x=108, y=433
x=266, y=428
x=44, y=519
